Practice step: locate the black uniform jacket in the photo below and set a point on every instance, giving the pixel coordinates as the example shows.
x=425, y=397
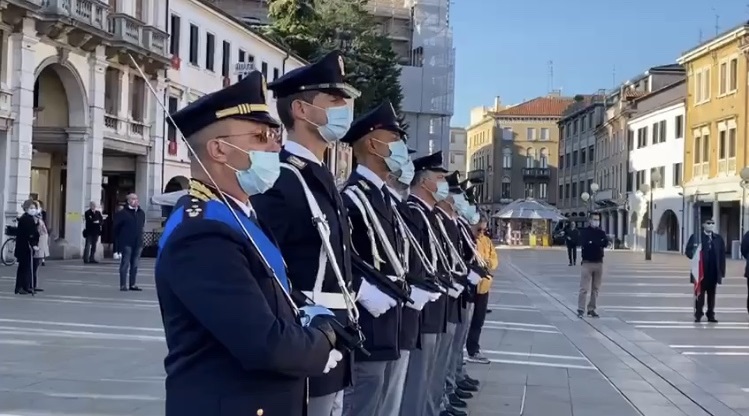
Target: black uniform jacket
x=454, y=305
x=285, y=211
x=235, y=344
x=434, y=314
x=469, y=258
x=411, y=321
x=381, y=333
x=27, y=237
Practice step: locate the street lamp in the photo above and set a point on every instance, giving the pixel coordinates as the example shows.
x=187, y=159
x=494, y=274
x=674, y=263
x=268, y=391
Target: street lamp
x=744, y=185
x=655, y=179
x=589, y=197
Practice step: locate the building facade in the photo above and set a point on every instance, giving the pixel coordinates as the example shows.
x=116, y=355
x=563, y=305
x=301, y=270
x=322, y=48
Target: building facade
x=715, y=143
x=612, y=151
x=456, y=157
x=660, y=120
x=77, y=120
x=577, y=162
x=517, y=147
x=421, y=34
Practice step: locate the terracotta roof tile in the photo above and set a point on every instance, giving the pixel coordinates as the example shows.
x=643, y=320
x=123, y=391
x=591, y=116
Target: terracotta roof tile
x=634, y=94
x=538, y=107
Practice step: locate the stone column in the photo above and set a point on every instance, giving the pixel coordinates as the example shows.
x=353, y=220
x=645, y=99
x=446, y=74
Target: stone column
x=17, y=156
x=76, y=192
x=610, y=229
x=716, y=213
x=95, y=143
x=620, y=224
x=124, y=107
x=149, y=179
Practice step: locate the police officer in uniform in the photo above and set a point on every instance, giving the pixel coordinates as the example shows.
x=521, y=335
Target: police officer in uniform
x=378, y=145
x=427, y=367
x=312, y=105
x=236, y=343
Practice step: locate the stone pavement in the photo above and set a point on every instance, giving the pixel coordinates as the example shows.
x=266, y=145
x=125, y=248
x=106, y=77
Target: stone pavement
x=83, y=348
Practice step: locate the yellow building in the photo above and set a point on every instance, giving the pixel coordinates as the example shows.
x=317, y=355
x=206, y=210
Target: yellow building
x=517, y=148
x=715, y=149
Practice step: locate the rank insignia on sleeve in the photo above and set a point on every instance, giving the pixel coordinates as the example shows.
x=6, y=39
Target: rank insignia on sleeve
x=296, y=162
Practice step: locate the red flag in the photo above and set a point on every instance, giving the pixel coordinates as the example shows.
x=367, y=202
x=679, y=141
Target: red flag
x=698, y=271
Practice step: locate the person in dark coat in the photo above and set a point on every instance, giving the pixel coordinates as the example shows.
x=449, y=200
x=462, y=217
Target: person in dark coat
x=312, y=105
x=27, y=242
x=237, y=345
x=713, y=262
x=128, y=230
x=92, y=231
x=745, y=255
x=572, y=240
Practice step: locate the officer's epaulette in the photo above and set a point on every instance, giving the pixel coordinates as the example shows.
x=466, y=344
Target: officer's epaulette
x=296, y=162
x=363, y=185
x=199, y=195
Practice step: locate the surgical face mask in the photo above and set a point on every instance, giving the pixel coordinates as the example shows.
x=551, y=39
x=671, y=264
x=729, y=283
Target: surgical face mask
x=474, y=217
x=32, y=211
x=462, y=207
x=339, y=121
x=709, y=227
x=265, y=167
x=407, y=173
x=442, y=192
x=595, y=223
x=398, y=157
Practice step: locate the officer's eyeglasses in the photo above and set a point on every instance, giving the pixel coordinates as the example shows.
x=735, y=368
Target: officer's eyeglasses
x=268, y=135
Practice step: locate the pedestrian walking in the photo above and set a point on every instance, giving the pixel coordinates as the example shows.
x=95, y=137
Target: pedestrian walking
x=593, y=241
x=91, y=231
x=27, y=242
x=42, y=251
x=128, y=231
x=572, y=240
x=481, y=303
x=745, y=255
x=711, y=251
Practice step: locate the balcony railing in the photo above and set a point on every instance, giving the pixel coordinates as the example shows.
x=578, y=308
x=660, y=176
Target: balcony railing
x=125, y=28
x=536, y=173
x=155, y=40
x=91, y=12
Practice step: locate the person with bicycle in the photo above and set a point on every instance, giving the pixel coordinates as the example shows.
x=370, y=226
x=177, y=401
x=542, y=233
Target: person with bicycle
x=27, y=242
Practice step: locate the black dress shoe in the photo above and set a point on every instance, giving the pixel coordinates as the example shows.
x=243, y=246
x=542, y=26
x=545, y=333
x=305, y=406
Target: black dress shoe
x=466, y=386
x=456, y=412
x=23, y=292
x=712, y=320
x=123, y=288
x=471, y=380
x=38, y=289
x=462, y=394
x=697, y=319
x=136, y=289
x=456, y=401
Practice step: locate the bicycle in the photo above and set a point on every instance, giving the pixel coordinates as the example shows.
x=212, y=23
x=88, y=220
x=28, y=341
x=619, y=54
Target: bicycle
x=7, y=251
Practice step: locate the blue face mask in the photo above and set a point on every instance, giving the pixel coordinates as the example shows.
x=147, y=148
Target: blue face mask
x=443, y=191
x=462, y=207
x=263, y=172
x=339, y=121
x=407, y=173
x=398, y=155
x=474, y=217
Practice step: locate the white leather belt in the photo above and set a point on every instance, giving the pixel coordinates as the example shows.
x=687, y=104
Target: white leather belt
x=329, y=300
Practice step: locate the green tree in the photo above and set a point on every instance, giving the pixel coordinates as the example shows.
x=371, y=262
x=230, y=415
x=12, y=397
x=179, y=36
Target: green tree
x=312, y=28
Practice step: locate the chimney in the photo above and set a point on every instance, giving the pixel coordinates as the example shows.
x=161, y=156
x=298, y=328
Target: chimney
x=555, y=93
x=497, y=103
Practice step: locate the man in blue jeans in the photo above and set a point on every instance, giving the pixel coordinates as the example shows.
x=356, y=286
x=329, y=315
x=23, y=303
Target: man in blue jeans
x=128, y=231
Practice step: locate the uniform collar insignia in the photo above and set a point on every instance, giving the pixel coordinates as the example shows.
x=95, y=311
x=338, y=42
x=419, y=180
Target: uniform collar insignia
x=297, y=162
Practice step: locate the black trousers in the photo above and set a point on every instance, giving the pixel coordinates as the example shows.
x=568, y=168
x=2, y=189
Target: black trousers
x=480, y=304
x=708, y=288
x=24, y=273
x=572, y=254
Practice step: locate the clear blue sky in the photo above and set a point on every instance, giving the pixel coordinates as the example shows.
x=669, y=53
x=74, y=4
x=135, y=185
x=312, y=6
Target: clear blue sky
x=504, y=47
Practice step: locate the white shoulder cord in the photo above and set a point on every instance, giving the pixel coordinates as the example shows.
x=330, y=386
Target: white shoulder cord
x=473, y=247
x=326, y=250
x=437, y=251
x=431, y=267
x=376, y=258
x=457, y=266
x=354, y=192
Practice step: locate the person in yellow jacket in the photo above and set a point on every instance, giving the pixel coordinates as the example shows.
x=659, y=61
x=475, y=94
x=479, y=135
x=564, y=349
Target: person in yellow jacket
x=481, y=301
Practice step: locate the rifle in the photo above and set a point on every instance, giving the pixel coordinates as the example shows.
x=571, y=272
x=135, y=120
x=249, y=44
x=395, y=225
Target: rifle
x=380, y=280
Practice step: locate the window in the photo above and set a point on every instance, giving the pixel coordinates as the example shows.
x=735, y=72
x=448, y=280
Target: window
x=542, y=191
x=639, y=179
x=722, y=136
x=561, y=192
x=655, y=133
x=544, y=161
x=630, y=140
x=567, y=159
x=275, y=74
x=225, y=59
x=590, y=121
x=506, y=187
x=264, y=69
x=582, y=157
x=733, y=73
x=701, y=152
x=452, y=157
x=702, y=86
x=642, y=137
x=176, y=27
x=529, y=188
x=574, y=190
x=171, y=133
x=574, y=158
x=591, y=153
x=662, y=131
x=661, y=172
x=507, y=158
x=137, y=98
x=545, y=134
x=567, y=191
x=507, y=133
x=679, y=127
x=531, y=134
x=194, y=38
x=723, y=78
x=677, y=172
x=241, y=58
x=210, y=51
x=530, y=158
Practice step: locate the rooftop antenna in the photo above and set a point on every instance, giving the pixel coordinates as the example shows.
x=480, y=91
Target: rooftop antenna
x=717, y=22
x=700, y=41
x=551, y=76
x=613, y=77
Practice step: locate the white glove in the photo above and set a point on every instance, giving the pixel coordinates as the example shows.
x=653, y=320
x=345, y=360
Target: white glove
x=373, y=300
x=420, y=297
x=333, y=358
x=433, y=296
x=474, y=278
x=455, y=291
x=35, y=248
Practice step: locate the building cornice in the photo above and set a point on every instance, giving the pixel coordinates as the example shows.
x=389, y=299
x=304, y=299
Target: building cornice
x=722, y=40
